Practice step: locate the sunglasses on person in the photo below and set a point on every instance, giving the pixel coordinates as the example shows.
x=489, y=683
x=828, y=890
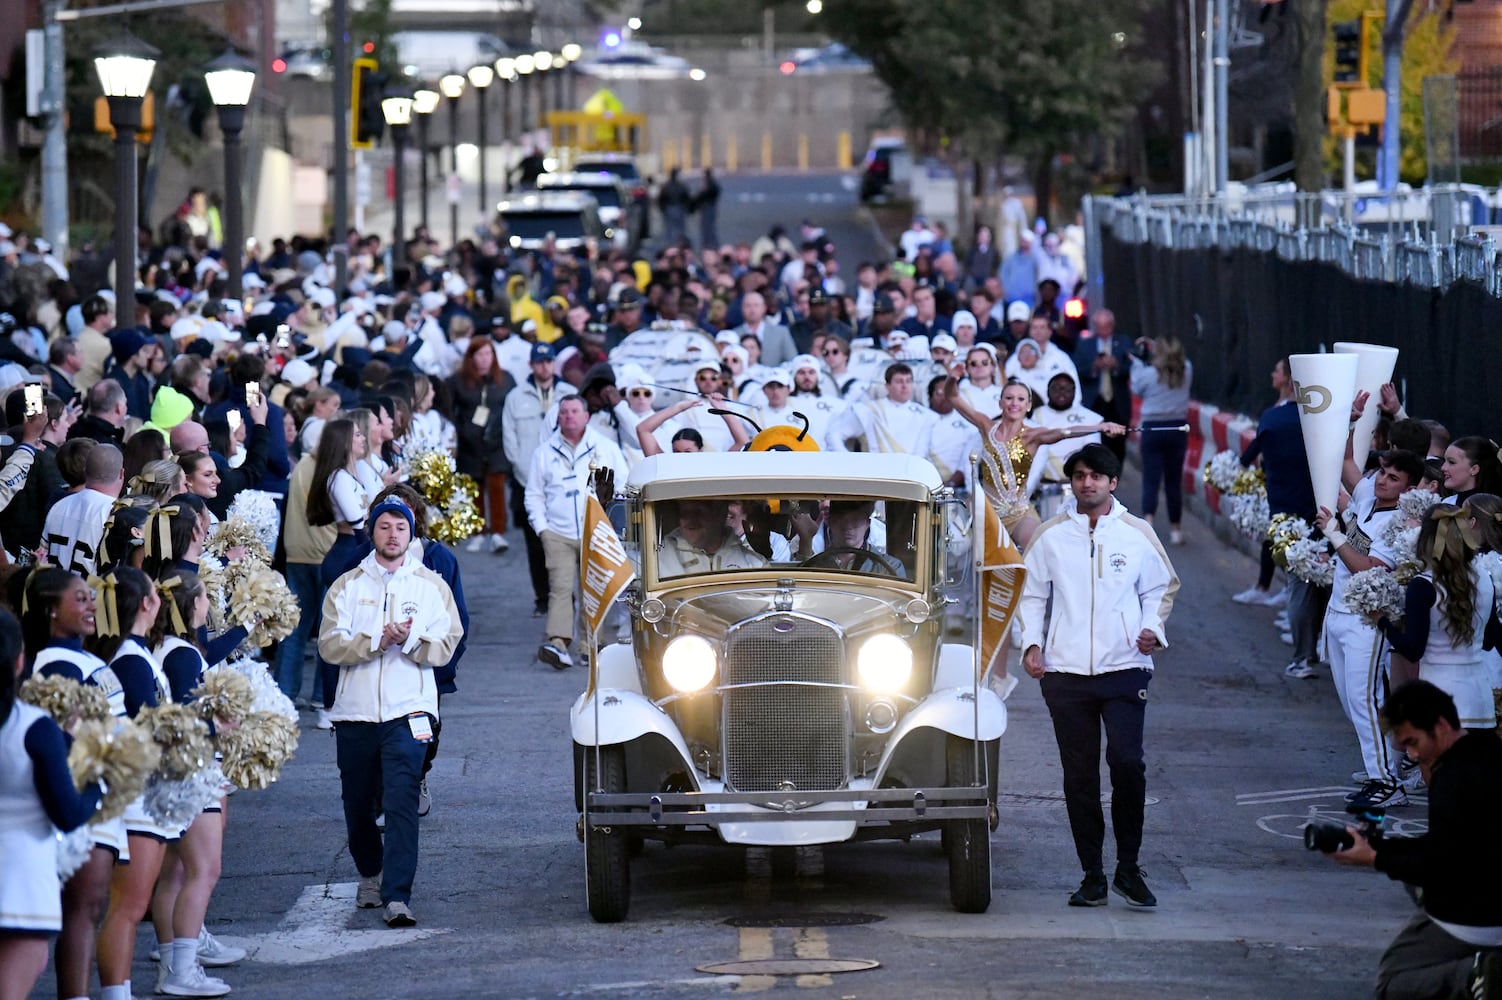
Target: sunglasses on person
x=639, y=393
x=829, y=351
x=978, y=363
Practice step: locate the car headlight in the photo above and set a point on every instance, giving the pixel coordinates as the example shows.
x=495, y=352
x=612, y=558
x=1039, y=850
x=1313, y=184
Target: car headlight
x=689, y=663
x=884, y=662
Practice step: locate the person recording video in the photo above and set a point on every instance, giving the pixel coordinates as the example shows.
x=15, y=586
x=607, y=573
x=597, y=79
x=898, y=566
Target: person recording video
x=1452, y=947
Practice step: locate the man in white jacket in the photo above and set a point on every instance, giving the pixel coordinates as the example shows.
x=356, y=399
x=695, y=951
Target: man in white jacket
x=557, y=491
x=387, y=624
x=1112, y=588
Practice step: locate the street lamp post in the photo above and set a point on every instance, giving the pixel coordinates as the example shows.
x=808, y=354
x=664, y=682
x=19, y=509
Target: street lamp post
x=452, y=87
x=424, y=103
x=505, y=71
x=524, y=68
x=481, y=77
x=542, y=62
x=125, y=65
x=396, y=108
x=230, y=79
x=572, y=53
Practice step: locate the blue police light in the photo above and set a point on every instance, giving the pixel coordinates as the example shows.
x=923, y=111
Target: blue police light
x=612, y=39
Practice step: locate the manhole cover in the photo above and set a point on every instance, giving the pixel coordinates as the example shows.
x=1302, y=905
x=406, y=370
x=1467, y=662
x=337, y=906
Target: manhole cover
x=804, y=920
x=789, y=966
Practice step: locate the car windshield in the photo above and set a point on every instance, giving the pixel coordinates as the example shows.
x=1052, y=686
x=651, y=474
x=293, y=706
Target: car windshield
x=740, y=535
x=607, y=197
x=537, y=225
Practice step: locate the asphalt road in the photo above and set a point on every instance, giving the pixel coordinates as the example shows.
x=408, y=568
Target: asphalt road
x=1238, y=756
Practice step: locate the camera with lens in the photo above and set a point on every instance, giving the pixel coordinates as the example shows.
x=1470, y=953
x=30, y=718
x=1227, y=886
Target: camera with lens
x=1327, y=838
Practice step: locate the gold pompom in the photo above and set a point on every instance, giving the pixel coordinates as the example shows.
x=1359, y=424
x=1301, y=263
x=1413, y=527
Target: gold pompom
x=1249, y=481
x=451, y=497
x=255, y=752
x=65, y=699
x=183, y=738
x=237, y=532
x=118, y=754
x=223, y=694
x=261, y=592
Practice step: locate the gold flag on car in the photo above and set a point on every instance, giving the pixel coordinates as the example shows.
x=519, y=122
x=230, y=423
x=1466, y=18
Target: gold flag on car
x=999, y=575
x=604, y=569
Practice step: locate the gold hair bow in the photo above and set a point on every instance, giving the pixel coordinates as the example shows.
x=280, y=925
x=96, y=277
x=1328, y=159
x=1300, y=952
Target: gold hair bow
x=1447, y=516
x=159, y=531
x=106, y=610
x=166, y=588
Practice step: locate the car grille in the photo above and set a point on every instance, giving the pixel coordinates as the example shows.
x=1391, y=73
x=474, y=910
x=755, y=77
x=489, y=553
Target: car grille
x=781, y=734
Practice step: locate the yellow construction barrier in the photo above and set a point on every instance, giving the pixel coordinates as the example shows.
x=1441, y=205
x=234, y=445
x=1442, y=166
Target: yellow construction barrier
x=766, y=150
x=845, y=157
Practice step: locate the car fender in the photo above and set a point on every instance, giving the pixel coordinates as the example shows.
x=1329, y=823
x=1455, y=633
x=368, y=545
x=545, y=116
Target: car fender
x=956, y=666
x=624, y=716
x=616, y=666
x=954, y=711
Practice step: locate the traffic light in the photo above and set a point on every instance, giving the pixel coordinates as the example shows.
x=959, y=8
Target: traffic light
x=367, y=85
x=1350, y=53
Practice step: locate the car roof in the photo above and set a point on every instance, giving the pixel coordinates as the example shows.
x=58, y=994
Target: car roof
x=547, y=201
x=783, y=473
x=618, y=158
x=580, y=178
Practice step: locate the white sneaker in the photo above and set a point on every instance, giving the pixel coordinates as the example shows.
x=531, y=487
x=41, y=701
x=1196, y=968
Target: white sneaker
x=424, y=800
x=323, y=720
x=499, y=544
x=1276, y=599
x=191, y=982
x=1175, y=537
x=1281, y=621
x=368, y=895
x=213, y=953
x=555, y=656
x=1287, y=638
x=475, y=544
x=1251, y=595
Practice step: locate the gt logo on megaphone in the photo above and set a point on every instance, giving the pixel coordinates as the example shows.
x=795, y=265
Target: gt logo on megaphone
x=1307, y=394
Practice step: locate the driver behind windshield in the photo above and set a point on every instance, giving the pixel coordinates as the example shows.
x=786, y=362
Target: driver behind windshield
x=847, y=525
x=703, y=543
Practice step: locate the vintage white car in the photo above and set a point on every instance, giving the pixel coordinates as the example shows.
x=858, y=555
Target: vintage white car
x=787, y=682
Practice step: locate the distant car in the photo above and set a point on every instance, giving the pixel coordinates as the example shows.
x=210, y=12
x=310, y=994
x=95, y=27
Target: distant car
x=570, y=217
x=886, y=161
x=311, y=62
x=831, y=58
x=633, y=61
x=622, y=165
x=618, y=213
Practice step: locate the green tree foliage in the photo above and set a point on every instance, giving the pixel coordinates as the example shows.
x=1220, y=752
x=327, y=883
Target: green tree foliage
x=1028, y=79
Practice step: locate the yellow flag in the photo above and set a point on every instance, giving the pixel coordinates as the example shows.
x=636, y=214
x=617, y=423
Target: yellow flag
x=999, y=575
x=604, y=569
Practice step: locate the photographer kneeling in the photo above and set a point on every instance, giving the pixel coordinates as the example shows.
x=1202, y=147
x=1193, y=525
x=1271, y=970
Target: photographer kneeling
x=1449, y=948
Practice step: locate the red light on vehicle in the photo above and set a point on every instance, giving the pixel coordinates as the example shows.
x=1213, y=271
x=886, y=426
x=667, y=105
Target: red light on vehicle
x=278, y=65
x=788, y=67
x=1074, y=309
x=369, y=47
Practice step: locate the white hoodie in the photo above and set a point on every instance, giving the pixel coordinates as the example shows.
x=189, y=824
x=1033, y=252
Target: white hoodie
x=1108, y=584
x=377, y=685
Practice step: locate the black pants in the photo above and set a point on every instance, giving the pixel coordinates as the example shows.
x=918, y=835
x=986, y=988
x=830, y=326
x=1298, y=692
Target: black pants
x=1079, y=705
x=537, y=563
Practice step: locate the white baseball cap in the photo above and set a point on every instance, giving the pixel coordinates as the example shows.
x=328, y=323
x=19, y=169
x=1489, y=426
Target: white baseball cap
x=803, y=361
x=1018, y=312
x=298, y=372
x=943, y=342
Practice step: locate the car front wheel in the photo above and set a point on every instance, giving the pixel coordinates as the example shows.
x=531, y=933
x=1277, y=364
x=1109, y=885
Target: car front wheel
x=607, y=862
x=968, y=841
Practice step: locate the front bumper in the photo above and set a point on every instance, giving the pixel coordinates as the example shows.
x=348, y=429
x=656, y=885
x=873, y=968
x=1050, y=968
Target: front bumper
x=719, y=809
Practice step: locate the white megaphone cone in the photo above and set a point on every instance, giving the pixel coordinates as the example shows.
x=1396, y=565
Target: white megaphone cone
x=1325, y=387
x=1374, y=367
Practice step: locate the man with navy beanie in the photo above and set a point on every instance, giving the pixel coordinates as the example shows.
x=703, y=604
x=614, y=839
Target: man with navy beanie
x=388, y=624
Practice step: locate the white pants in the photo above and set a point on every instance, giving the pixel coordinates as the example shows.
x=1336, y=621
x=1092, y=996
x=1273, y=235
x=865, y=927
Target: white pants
x=1359, y=665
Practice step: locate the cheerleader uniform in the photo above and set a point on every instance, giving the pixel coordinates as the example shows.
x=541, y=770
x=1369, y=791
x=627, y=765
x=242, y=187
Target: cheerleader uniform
x=183, y=666
x=350, y=500
x=67, y=658
x=1458, y=670
x=145, y=687
x=36, y=795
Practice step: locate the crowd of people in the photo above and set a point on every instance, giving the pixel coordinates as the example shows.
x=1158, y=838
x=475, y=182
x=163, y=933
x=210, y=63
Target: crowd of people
x=137, y=422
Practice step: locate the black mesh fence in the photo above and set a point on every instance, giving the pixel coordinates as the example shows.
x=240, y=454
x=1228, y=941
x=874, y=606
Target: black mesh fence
x=1238, y=311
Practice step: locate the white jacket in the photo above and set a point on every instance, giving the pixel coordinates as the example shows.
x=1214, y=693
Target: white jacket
x=522, y=423
x=1108, y=584
x=558, y=481
x=378, y=685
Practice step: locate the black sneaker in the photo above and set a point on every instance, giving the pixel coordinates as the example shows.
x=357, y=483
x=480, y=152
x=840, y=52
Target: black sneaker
x=1092, y=891
x=1130, y=886
x=540, y=609
x=1379, y=795
x=555, y=656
